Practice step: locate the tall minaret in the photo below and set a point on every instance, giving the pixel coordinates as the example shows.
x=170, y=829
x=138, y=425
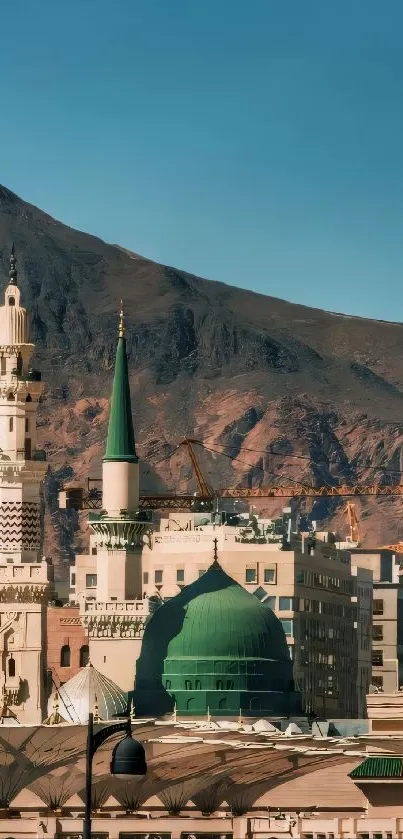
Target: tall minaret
x=119, y=529
x=22, y=467
x=120, y=468
x=24, y=579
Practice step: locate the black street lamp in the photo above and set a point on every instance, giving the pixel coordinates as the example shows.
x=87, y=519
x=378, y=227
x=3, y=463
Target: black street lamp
x=128, y=759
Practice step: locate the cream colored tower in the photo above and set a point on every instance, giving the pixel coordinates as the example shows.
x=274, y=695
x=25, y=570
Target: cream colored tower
x=24, y=580
x=118, y=612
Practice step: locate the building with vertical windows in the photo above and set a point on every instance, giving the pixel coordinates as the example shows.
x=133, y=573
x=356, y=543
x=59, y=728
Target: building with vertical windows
x=387, y=617
x=324, y=605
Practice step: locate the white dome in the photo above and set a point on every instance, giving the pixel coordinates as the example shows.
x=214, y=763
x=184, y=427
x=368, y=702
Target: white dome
x=88, y=688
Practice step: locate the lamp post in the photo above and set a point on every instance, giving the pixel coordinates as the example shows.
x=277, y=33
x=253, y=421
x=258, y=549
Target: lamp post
x=128, y=759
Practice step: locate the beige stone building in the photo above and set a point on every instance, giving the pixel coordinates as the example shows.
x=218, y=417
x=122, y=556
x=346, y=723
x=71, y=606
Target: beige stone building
x=387, y=617
x=324, y=604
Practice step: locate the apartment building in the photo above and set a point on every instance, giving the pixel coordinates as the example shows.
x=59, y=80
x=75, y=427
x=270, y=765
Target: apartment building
x=387, y=617
x=325, y=607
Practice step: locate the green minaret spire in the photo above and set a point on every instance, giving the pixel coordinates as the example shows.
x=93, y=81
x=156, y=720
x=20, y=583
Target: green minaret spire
x=120, y=443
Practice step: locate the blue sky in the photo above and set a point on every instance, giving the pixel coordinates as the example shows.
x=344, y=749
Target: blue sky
x=257, y=142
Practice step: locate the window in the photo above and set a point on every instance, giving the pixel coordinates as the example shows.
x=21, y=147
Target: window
x=11, y=397
x=250, y=575
x=145, y=578
x=188, y=684
x=377, y=632
x=11, y=301
x=27, y=425
x=299, y=577
x=28, y=448
x=285, y=604
x=377, y=607
x=73, y=579
x=158, y=576
x=377, y=658
x=288, y=627
x=377, y=681
x=84, y=655
x=93, y=551
x=219, y=685
x=11, y=667
x=230, y=684
x=90, y=580
x=269, y=575
x=168, y=684
x=3, y=366
x=180, y=575
x=10, y=424
x=65, y=656
x=198, y=684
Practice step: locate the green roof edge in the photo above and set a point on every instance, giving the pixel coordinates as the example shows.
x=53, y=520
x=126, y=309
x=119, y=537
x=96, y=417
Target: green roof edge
x=378, y=767
x=120, y=445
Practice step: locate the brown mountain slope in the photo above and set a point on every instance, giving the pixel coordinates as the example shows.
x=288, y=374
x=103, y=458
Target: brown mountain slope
x=267, y=378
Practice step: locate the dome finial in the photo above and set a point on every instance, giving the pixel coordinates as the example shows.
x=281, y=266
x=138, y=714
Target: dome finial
x=121, y=332
x=13, y=267
x=215, y=563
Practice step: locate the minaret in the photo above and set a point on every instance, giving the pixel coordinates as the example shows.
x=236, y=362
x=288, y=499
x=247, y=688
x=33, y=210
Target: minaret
x=24, y=579
x=119, y=529
x=120, y=469
x=22, y=467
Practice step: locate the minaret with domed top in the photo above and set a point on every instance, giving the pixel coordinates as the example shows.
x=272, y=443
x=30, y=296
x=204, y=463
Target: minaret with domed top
x=22, y=467
x=24, y=579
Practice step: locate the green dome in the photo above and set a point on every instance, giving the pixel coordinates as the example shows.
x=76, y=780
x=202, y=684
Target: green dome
x=215, y=646
x=223, y=620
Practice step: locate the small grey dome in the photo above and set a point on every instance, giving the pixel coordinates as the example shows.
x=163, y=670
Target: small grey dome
x=88, y=688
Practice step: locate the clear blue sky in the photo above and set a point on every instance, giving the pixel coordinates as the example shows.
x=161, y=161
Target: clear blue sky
x=258, y=142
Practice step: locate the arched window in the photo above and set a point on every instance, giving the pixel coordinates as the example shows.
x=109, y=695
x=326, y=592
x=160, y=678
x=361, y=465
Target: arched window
x=65, y=656
x=84, y=655
x=11, y=424
x=29, y=398
x=27, y=425
x=19, y=364
x=11, y=667
x=188, y=684
x=198, y=684
x=219, y=685
x=168, y=684
x=3, y=365
x=11, y=397
x=11, y=301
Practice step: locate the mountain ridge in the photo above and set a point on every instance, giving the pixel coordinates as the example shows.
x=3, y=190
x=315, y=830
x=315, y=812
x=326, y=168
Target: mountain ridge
x=231, y=366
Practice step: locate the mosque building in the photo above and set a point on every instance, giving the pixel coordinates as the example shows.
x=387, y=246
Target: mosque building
x=229, y=750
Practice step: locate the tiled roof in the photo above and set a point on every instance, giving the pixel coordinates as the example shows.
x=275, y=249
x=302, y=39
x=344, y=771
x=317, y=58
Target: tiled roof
x=379, y=767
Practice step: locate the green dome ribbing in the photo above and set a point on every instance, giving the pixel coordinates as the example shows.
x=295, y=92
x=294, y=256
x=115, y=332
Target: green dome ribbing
x=120, y=443
x=215, y=646
x=223, y=620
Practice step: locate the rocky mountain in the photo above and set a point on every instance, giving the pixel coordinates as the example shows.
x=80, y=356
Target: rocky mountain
x=290, y=393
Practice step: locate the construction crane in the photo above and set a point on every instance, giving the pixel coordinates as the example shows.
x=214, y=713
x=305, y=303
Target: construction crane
x=354, y=525
x=74, y=496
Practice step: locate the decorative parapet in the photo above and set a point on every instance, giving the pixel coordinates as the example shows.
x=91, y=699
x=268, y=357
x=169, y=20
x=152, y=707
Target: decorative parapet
x=122, y=533
x=111, y=619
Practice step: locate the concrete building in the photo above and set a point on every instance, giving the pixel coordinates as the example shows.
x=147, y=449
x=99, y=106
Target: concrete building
x=387, y=617
x=24, y=580
x=323, y=603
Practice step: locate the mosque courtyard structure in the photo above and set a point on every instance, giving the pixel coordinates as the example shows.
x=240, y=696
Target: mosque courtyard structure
x=212, y=673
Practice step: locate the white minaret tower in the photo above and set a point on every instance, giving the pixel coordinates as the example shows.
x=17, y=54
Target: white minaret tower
x=22, y=467
x=24, y=580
